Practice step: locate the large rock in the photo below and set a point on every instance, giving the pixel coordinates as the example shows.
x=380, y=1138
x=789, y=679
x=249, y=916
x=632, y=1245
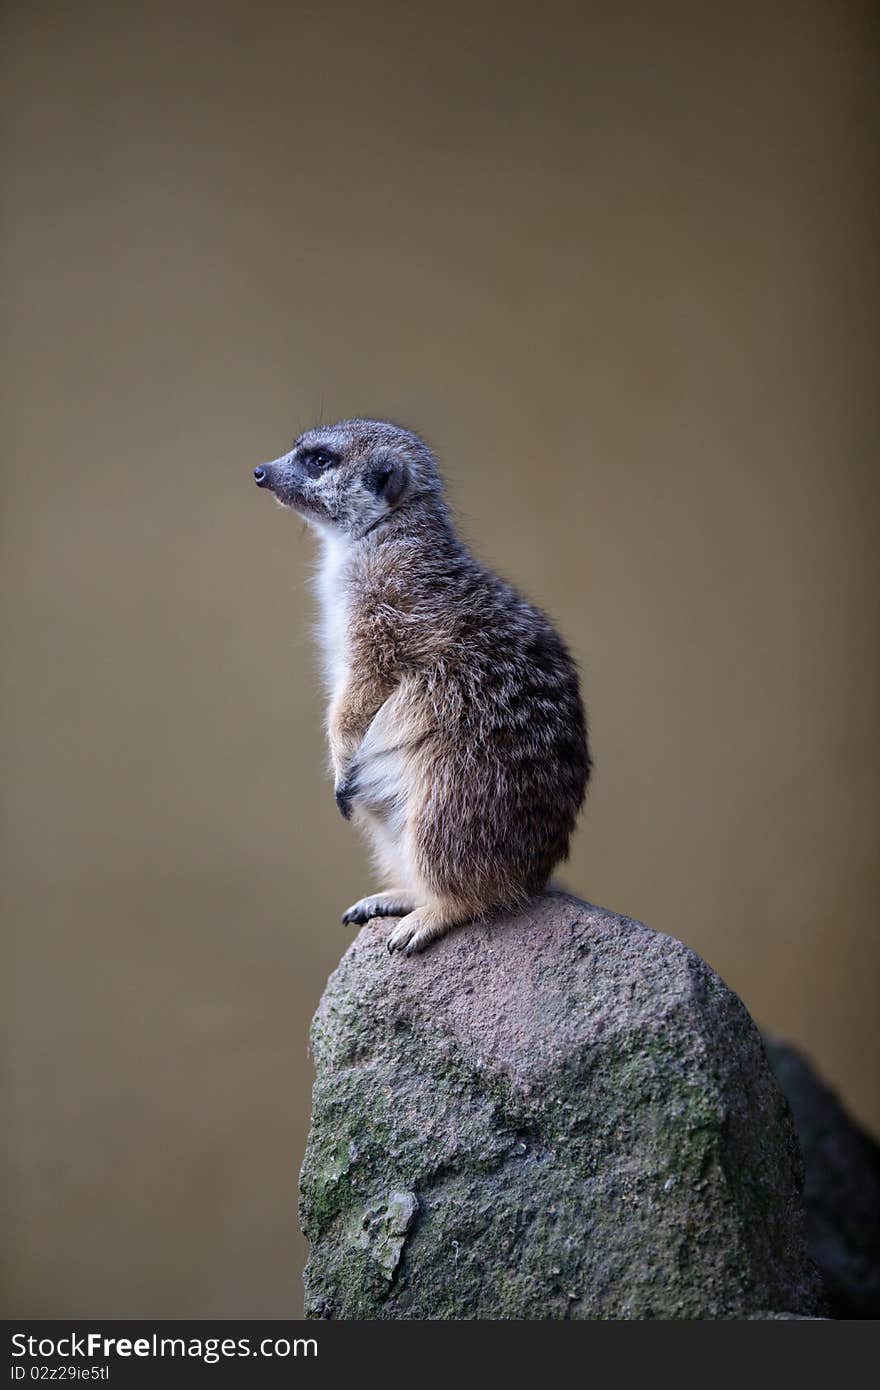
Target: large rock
x=559, y=1115
x=841, y=1190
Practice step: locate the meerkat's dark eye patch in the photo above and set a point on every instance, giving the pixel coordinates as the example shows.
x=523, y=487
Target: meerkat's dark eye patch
x=317, y=461
x=386, y=478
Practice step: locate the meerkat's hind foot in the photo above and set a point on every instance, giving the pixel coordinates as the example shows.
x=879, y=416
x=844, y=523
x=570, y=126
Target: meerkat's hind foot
x=396, y=903
x=424, y=925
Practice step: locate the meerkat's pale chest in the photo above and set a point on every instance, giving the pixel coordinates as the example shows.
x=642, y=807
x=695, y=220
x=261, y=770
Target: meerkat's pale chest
x=331, y=588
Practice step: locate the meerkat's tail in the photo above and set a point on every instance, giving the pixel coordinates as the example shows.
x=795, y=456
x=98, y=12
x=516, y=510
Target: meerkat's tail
x=557, y=885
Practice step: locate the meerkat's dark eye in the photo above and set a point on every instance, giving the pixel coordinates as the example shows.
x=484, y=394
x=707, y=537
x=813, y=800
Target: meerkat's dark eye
x=317, y=461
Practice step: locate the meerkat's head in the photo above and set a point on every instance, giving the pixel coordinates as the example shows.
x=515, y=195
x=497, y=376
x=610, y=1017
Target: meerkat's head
x=350, y=477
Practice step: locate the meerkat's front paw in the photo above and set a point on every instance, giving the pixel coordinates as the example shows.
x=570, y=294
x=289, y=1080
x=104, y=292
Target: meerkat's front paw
x=417, y=929
x=392, y=904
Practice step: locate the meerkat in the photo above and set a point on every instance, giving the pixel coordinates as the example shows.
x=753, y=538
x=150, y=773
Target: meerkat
x=457, y=734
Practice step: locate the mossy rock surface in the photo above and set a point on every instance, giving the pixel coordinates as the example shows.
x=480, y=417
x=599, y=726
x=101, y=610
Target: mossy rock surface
x=560, y=1114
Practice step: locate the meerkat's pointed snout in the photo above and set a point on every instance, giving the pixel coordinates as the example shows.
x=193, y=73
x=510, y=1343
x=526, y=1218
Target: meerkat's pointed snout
x=283, y=478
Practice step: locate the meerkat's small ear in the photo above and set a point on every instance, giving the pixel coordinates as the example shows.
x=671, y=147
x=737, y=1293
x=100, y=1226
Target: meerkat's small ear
x=387, y=479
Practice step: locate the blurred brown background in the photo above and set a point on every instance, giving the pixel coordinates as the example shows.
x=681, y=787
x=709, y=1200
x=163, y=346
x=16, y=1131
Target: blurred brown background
x=619, y=263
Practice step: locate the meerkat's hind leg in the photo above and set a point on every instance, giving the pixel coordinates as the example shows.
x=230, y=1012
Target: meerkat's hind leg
x=395, y=903
x=426, y=924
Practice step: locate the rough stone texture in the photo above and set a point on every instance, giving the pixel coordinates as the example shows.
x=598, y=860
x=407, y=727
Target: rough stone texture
x=561, y=1114
x=842, y=1187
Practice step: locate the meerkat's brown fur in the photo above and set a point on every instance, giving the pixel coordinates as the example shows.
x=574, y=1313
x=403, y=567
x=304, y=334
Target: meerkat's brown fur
x=456, y=729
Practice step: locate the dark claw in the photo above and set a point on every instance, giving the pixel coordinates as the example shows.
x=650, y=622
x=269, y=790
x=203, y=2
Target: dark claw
x=345, y=798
